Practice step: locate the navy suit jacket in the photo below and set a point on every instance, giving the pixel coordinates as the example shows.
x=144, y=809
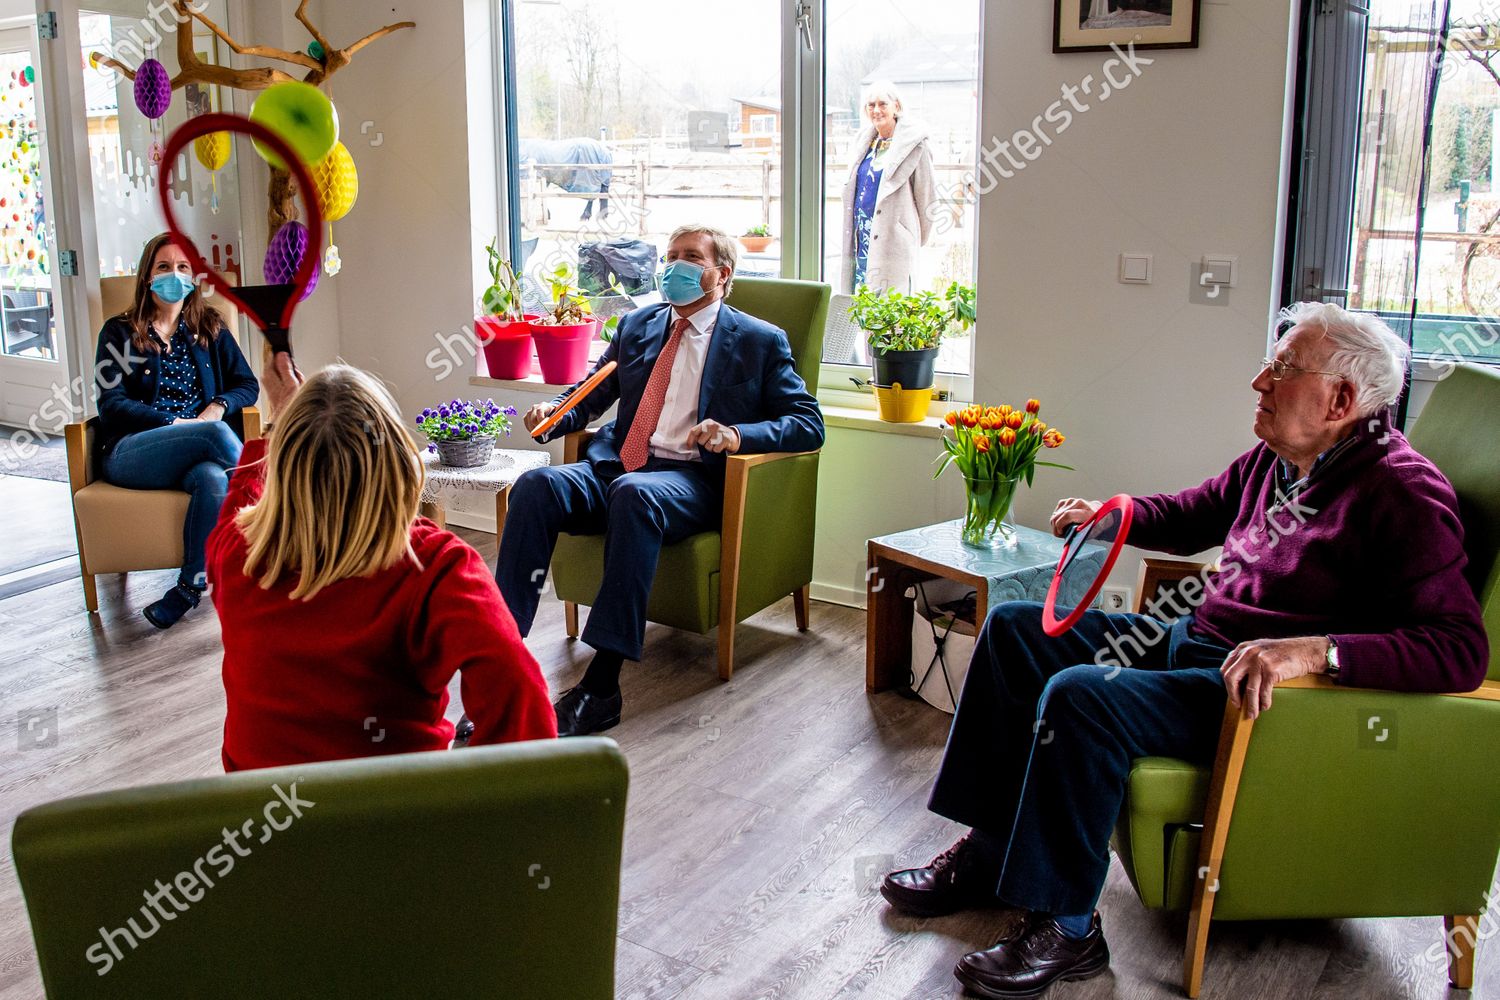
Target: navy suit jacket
x=128, y=382
x=748, y=384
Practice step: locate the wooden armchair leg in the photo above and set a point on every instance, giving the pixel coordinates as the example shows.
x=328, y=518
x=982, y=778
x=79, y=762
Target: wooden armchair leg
x=799, y=605
x=90, y=591
x=726, y=650
x=1460, y=935
x=570, y=613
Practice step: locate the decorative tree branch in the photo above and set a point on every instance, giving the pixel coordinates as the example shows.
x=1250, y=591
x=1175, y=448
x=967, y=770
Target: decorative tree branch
x=281, y=195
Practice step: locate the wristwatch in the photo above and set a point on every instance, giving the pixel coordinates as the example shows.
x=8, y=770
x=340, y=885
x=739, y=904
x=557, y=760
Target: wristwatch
x=224, y=403
x=1332, y=669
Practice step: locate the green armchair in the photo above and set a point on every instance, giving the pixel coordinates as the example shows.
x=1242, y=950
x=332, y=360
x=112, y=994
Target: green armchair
x=488, y=871
x=759, y=555
x=1346, y=802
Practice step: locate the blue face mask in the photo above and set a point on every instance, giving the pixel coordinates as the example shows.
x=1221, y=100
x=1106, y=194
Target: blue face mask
x=173, y=287
x=682, y=282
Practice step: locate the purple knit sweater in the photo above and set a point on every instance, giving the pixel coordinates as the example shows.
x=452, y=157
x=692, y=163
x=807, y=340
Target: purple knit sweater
x=1370, y=553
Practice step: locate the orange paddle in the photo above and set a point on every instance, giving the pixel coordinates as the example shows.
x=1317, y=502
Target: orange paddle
x=590, y=384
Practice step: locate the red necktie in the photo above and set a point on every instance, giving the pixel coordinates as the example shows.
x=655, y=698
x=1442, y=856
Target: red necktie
x=634, y=452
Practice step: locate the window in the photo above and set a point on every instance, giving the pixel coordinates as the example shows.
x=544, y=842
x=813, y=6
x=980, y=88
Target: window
x=1399, y=209
x=622, y=128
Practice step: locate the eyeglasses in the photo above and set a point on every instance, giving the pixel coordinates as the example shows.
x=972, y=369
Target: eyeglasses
x=1280, y=369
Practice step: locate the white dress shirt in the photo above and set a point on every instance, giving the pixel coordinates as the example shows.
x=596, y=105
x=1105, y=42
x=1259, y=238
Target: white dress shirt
x=679, y=410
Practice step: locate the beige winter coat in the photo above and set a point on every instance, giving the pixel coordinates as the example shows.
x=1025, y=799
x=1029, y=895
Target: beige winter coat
x=902, y=223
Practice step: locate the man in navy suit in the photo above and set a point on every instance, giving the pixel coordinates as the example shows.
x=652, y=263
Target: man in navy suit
x=696, y=379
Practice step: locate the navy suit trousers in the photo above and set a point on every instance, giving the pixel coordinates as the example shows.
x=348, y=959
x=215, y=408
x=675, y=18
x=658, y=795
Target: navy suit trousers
x=637, y=512
x=1043, y=740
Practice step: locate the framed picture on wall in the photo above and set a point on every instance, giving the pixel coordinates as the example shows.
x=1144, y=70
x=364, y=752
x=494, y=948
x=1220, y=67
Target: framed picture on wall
x=1095, y=25
x=203, y=98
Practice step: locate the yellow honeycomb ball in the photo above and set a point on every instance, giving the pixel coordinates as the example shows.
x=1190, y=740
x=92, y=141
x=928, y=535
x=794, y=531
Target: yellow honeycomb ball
x=337, y=182
x=212, y=149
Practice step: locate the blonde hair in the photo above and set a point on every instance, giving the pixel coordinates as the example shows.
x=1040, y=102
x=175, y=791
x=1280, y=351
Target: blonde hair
x=343, y=482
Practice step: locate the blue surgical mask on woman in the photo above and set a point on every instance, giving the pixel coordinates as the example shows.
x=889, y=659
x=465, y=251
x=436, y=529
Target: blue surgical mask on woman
x=682, y=282
x=173, y=287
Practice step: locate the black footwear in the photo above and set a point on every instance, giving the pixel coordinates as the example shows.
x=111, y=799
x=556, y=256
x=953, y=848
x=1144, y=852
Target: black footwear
x=1027, y=965
x=173, y=605
x=580, y=713
x=463, y=732
x=961, y=878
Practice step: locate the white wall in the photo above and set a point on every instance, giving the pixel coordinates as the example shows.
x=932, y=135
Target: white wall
x=1152, y=390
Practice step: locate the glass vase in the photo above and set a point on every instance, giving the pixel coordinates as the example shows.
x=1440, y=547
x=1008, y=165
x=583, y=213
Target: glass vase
x=987, y=505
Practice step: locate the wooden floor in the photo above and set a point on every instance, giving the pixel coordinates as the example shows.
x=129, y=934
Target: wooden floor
x=762, y=812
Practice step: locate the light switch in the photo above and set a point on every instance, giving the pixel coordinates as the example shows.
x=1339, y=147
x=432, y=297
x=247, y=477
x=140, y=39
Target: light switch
x=1135, y=268
x=1220, y=269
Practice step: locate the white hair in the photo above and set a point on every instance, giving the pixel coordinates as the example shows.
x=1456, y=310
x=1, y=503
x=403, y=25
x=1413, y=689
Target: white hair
x=1365, y=351
x=887, y=90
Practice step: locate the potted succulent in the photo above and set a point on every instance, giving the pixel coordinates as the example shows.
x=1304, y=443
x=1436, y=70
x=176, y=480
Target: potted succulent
x=503, y=328
x=995, y=448
x=563, y=333
x=463, y=431
x=756, y=238
x=906, y=330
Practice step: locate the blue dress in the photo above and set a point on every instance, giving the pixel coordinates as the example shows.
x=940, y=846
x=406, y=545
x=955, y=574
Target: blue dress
x=866, y=187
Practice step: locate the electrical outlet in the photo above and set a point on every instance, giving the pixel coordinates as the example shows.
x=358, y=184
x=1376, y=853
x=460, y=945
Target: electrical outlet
x=1115, y=600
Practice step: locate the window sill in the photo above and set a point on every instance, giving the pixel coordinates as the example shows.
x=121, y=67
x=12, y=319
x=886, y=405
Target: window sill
x=531, y=383
x=857, y=419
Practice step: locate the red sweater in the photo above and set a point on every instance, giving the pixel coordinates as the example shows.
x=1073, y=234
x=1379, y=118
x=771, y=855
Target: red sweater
x=363, y=667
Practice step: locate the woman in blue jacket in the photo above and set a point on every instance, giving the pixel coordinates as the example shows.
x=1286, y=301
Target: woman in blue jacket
x=168, y=375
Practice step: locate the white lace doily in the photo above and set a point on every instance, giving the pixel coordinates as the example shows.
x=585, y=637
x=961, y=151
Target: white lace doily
x=503, y=469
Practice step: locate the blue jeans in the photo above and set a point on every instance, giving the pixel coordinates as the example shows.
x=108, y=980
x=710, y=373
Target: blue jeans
x=1043, y=740
x=194, y=457
x=637, y=512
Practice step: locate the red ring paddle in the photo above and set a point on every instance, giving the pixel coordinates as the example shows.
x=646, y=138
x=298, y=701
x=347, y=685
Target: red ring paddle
x=1109, y=525
x=269, y=307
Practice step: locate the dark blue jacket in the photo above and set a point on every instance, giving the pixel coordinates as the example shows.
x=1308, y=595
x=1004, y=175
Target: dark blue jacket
x=748, y=384
x=127, y=380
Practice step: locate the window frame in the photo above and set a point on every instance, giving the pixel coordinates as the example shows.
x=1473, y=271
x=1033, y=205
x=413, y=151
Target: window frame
x=803, y=174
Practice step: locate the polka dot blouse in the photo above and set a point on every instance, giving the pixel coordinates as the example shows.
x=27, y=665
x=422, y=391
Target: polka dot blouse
x=179, y=389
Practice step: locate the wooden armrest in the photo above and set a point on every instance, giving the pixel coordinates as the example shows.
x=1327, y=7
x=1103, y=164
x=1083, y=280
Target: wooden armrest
x=251, y=423
x=573, y=444
x=1487, y=690
x=740, y=464
x=76, y=440
x=1157, y=573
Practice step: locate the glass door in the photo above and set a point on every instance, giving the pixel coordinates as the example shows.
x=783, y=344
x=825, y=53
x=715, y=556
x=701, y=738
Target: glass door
x=32, y=355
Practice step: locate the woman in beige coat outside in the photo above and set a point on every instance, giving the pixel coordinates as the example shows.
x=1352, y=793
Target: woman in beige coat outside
x=886, y=197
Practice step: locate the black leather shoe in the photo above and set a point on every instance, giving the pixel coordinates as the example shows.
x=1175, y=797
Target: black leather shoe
x=580, y=713
x=1027, y=965
x=961, y=878
x=173, y=605
x=463, y=732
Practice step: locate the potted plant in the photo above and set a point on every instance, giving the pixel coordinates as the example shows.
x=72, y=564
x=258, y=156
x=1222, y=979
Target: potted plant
x=463, y=432
x=905, y=330
x=503, y=328
x=995, y=448
x=563, y=333
x=756, y=238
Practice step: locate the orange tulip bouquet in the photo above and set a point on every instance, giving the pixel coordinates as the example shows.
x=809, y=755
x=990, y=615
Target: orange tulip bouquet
x=995, y=448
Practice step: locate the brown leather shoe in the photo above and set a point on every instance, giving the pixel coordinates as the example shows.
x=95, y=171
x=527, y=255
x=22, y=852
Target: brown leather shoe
x=1027, y=965
x=961, y=878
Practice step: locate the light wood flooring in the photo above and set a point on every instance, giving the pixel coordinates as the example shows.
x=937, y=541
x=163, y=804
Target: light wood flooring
x=762, y=812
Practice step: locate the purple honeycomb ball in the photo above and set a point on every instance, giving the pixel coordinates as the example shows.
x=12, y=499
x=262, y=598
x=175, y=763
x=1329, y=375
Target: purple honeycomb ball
x=284, y=254
x=153, y=89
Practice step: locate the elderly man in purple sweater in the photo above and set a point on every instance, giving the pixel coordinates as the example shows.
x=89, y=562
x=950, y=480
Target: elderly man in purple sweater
x=1343, y=555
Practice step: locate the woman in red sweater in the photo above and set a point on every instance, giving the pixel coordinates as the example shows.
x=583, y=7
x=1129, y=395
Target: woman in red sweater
x=344, y=615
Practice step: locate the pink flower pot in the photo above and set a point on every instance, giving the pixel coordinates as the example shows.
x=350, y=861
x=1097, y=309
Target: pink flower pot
x=563, y=351
x=507, y=346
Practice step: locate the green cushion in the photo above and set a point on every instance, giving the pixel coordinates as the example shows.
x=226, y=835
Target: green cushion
x=1162, y=795
x=684, y=593
x=1459, y=429
x=481, y=872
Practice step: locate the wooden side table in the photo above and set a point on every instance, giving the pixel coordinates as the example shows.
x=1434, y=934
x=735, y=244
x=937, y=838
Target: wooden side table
x=934, y=551
x=447, y=484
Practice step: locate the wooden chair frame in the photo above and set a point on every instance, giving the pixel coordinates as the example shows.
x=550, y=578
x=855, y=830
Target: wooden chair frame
x=1460, y=930
x=79, y=459
x=731, y=540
